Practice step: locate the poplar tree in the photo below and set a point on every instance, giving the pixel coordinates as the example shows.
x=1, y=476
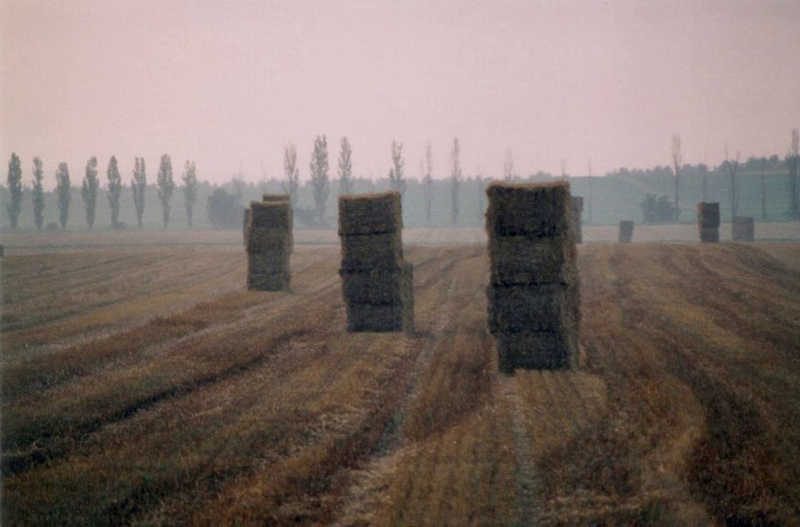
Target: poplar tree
x=138, y=186
x=165, y=186
x=189, y=188
x=455, y=180
x=114, y=190
x=89, y=190
x=396, y=176
x=38, y=193
x=291, y=172
x=64, y=191
x=14, y=180
x=345, y=168
x=319, y=175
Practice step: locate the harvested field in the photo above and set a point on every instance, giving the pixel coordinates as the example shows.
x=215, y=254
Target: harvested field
x=148, y=387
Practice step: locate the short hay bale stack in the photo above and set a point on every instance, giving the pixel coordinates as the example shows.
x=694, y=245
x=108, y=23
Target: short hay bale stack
x=534, y=290
x=625, y=231
x=269, y=245
x=577, y=214
x=376, y=282
x=743, y=229
x=272, y=198
x=708, y=221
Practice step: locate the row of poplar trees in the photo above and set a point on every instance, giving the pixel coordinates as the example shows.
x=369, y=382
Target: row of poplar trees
x=321, y=185
x=91, y=185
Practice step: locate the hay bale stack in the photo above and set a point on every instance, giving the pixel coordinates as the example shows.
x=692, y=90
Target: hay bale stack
x=377, y=284
x=577, y=215
x=269, y=245
x=534, y=290
x=708, y=221
x=625, y=231
x=743, y=229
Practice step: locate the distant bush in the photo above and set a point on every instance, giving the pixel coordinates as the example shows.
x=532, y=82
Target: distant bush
x=658, y=209
x=224, y=210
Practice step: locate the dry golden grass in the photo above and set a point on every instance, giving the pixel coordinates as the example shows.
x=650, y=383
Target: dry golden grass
x=199, y=403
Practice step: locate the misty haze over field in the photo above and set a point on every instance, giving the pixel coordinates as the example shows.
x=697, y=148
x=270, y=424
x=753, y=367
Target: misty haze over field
x=228, y=85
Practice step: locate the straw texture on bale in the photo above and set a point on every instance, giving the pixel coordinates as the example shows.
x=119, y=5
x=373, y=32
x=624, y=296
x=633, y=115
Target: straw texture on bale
x=516, y=260
x=534, y=290
x=267, y=271
x=534, y=210
x=709, y=234
x=370, y=213
x=625, y=231
x=272, y=214
x=577, y=213
x=377, y=284
x=743, y=229
x=368, y=252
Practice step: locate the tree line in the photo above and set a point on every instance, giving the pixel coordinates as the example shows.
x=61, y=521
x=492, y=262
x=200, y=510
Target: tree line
x=90, y=188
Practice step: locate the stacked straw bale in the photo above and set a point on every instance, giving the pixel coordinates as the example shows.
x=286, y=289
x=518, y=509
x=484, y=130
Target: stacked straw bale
x=743, y=229
x=577, y=214
x=625, y=231
x=269, y=245
x=534, y=290
x=271, y=198
x=376, y=282
x=708, y=221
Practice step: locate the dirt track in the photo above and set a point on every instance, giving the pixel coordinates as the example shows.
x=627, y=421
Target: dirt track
x=155, y=396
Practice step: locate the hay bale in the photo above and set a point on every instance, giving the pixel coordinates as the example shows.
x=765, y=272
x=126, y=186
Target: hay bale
x=743, y=229
x=709, y=234
x=515, y=309
x=625, y=231
x=537, y=350
x=577, y=218
x=273, y=214
x=370, y=213
x=708, y=214
x=275, y=197
x=246, y=225
x=264, y=240
x=536, y=210
x=516, y=260
x=377, y=288
x=372, y=251
x=268, y=271
x=534, y=291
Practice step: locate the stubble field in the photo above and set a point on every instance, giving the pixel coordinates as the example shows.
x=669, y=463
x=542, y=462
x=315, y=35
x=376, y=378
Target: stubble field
x=144, y=386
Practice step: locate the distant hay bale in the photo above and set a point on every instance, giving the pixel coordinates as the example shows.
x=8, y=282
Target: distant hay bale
x=377, y=284
x=577, y=215
x=535, y=210
x=275, y=197
x=708, y=220
x=370, y=213
x=534, y=290
x=743, y=229
x=269, y=240
x=625, y=231
x=245, y=224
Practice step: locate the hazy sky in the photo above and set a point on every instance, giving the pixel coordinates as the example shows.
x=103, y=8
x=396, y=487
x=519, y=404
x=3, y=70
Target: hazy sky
x=226, y=83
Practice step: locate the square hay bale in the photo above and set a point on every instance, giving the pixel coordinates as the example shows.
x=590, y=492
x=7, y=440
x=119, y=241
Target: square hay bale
x=537, y=350
x=625, y=231
x=265, y=240
x=370, y=213
x=372, y=251
x=577, y=221
x=708, y=214
x=245, y=224
x=516, y=309
x=536, y=210
x=709, y=234
x=521, y=260
x=275, y=197
x=743, y=229
x=380, y=286
x=268, y=271
x=272, y=214
x=391, y=309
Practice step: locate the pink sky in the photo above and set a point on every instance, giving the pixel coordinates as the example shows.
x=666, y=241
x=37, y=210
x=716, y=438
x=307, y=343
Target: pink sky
x=226, y=83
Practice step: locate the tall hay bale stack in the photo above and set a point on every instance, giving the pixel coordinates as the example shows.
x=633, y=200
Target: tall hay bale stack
x=708, y=220
x=377, y=284
x=269, y=245
x=625, y=231
x=534, y=290
x=272, y=198
x=743, y=229
x=577, y=215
